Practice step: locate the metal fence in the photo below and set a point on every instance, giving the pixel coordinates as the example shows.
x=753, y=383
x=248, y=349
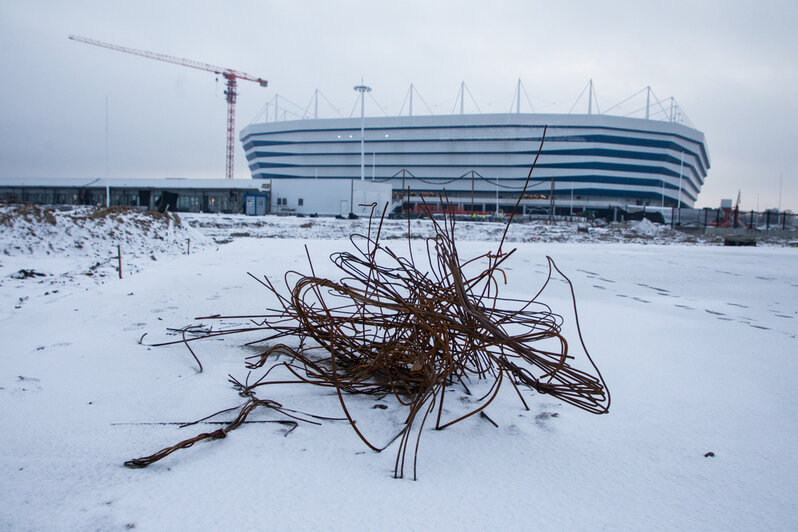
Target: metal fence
x=770, y=220
x=761, y=221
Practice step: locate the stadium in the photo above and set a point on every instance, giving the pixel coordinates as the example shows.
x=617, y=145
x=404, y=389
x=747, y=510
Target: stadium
x=592, y=162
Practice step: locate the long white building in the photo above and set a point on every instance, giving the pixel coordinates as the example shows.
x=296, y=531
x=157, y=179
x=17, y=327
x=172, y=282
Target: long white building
x=596, y=162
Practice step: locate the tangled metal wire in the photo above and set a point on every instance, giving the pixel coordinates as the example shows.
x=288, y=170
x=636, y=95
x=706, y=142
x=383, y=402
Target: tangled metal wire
x=410, y=329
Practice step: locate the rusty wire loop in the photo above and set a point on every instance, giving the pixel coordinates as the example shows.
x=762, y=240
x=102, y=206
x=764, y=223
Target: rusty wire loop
x=393, y=327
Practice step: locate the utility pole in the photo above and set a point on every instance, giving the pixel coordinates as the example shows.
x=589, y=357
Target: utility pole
x=107, y=184
x=781, y=178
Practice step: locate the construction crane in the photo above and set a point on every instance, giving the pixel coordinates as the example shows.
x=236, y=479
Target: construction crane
x=230, y=75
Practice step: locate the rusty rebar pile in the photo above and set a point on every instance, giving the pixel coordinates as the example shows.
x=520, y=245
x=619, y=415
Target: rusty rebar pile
x=405, y=328
x=390, y=326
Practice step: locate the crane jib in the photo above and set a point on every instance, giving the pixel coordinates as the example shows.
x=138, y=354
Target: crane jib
x=229, y=74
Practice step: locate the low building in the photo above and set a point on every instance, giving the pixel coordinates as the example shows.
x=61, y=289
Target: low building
x=327, y=197
x=173, y=194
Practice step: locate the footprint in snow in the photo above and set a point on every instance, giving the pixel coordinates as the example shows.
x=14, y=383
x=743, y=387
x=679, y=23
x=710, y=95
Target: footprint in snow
x=26, y=385
x=512, y=430
x=544, y=418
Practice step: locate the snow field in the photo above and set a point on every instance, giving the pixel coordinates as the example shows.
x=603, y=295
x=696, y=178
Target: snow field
x=697, y=345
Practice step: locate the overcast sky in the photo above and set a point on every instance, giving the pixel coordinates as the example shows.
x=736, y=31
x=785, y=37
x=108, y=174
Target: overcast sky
x=731, y=65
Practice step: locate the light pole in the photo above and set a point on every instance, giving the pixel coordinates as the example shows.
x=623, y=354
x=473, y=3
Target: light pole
x=362, y=89
x=572, y=198
x=497, y=197
x=679, y=199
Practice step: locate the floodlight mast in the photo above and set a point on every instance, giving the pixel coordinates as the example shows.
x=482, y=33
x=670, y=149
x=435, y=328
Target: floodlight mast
x=231, y=76
x=362, y=89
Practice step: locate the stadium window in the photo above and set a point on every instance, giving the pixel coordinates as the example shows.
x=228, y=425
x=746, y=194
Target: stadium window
x=300, y=202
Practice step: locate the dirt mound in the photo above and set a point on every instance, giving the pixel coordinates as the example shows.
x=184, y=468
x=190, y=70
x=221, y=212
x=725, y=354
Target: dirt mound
x=86, y=240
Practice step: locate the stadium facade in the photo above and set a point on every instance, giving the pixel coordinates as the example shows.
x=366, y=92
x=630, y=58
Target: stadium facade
x=596, y=162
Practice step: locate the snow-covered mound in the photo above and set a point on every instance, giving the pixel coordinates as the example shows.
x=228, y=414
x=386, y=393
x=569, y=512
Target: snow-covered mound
x=29, y=229
x=54, y=247
x=645, y=227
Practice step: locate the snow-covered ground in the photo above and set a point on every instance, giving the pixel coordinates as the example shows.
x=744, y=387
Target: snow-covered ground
x=697, y=344
x=641, y=232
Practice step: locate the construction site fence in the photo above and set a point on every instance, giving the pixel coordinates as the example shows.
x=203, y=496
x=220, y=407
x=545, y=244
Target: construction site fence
x=730, y=218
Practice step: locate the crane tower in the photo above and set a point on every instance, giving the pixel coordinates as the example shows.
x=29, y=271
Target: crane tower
x=231, y=76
